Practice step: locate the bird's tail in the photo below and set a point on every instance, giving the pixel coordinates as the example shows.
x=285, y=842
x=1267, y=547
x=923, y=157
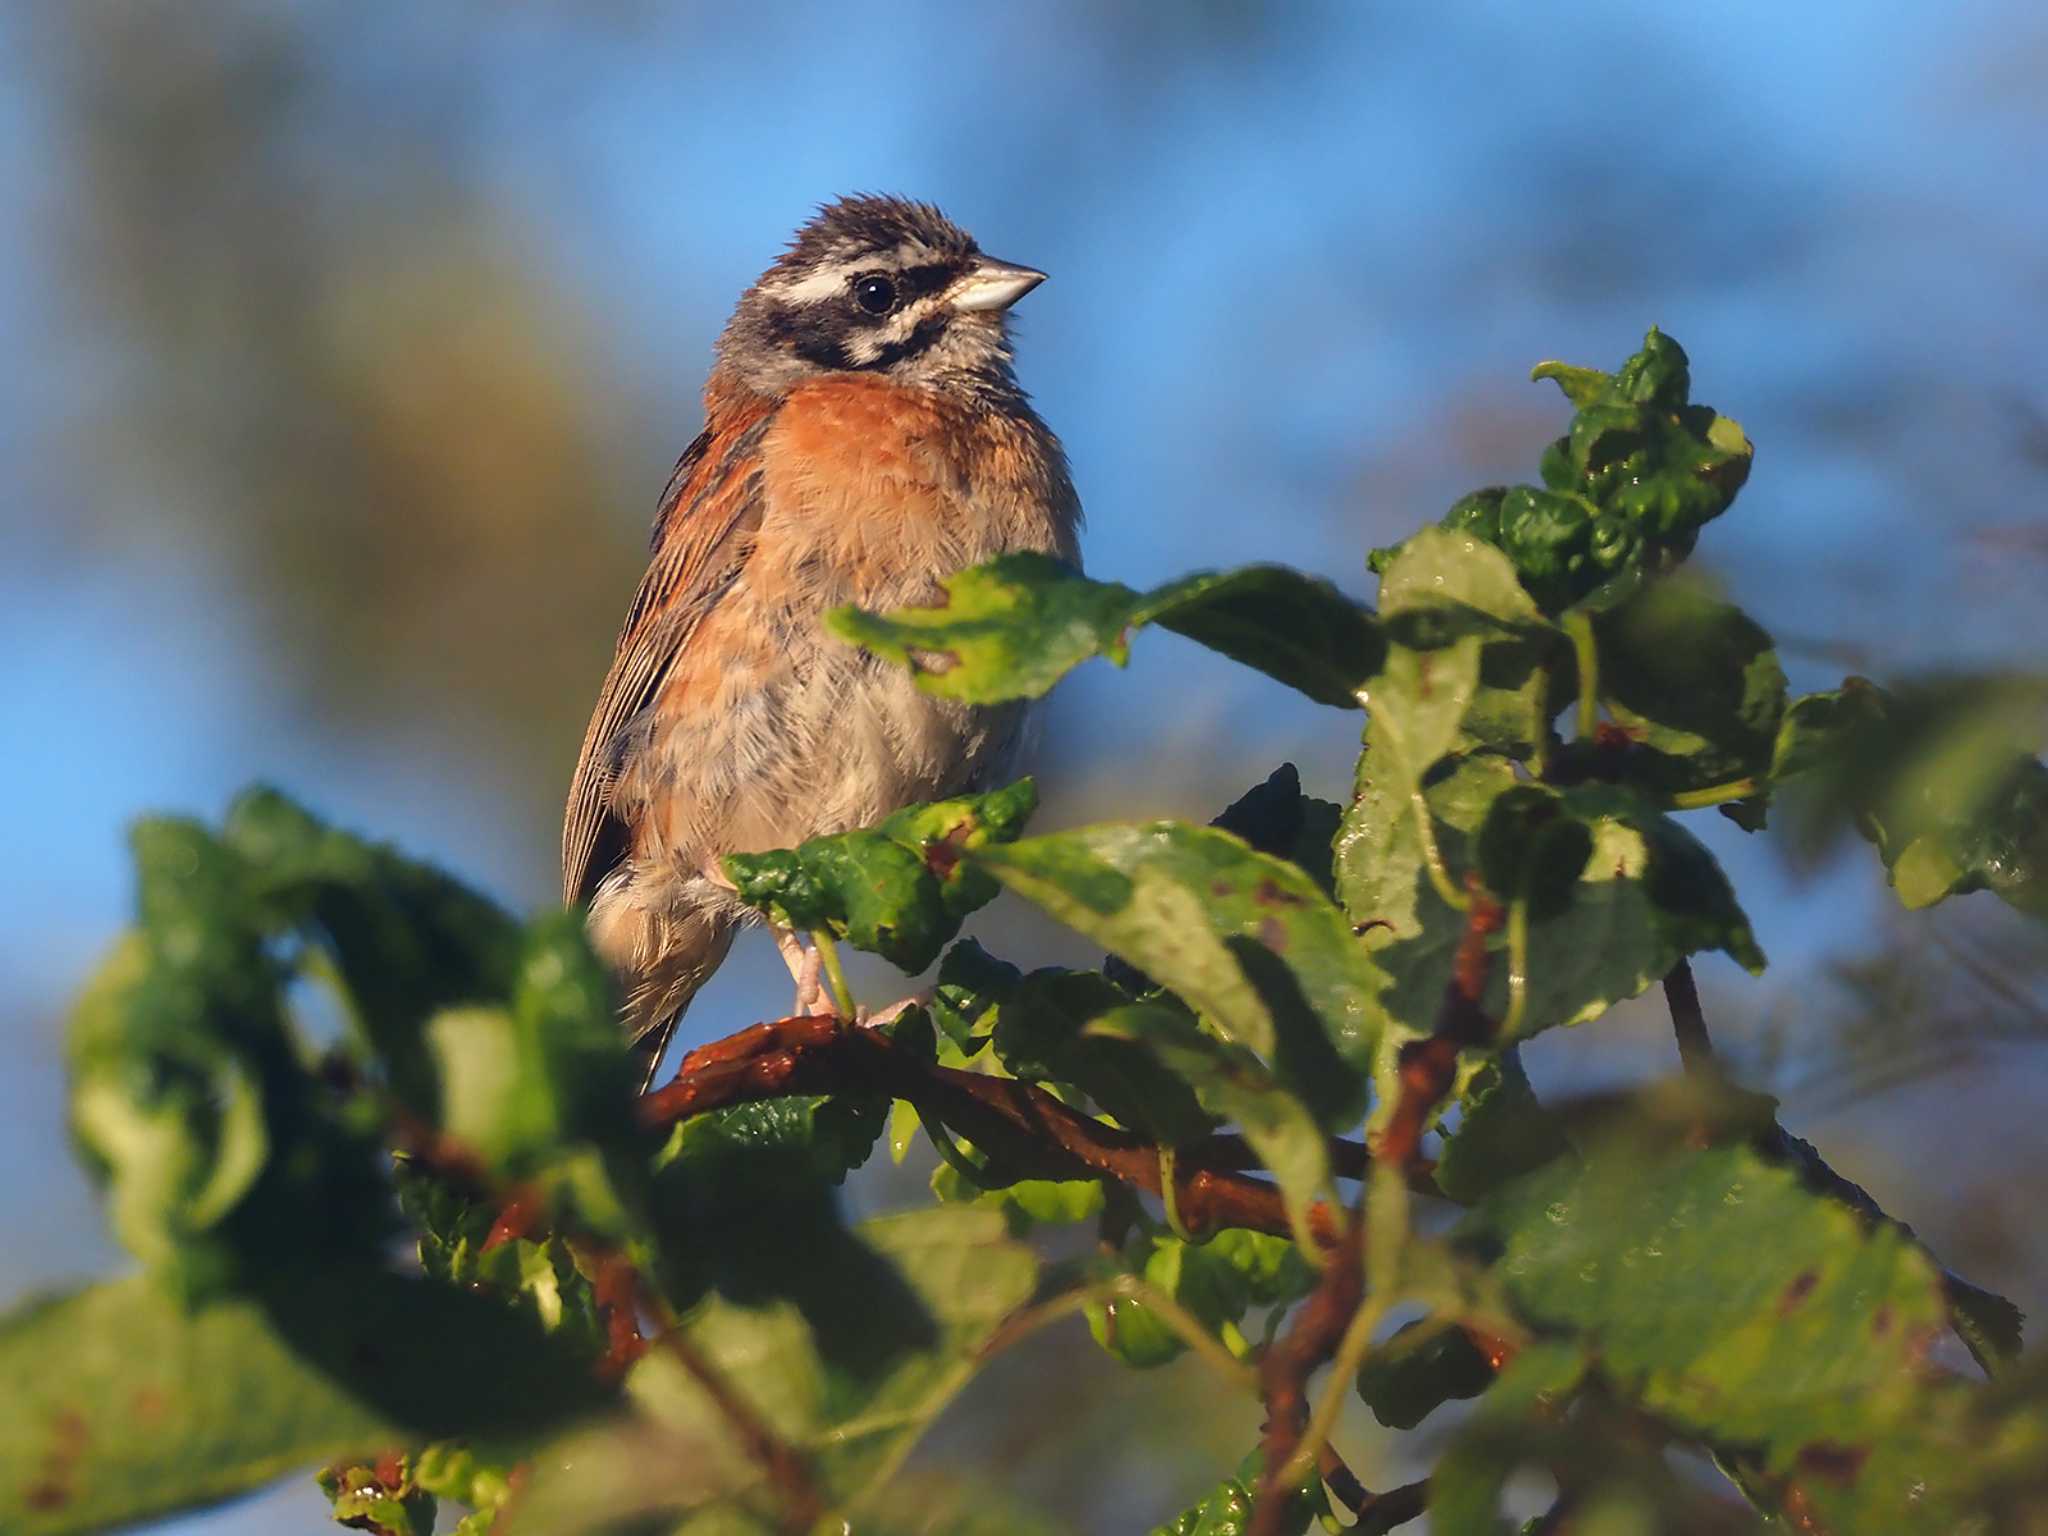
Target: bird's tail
x=658, y=993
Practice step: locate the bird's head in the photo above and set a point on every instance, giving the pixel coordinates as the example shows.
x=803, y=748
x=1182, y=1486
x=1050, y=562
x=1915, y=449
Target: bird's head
x=878, y=285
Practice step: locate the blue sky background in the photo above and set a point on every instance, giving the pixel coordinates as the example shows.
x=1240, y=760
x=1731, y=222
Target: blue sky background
x=1302, y=258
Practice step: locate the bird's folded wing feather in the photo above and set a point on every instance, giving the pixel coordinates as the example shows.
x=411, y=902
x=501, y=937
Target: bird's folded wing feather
x=702, y=538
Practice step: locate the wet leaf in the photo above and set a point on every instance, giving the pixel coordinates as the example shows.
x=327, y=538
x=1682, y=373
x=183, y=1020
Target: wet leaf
x=1941, y=776
x=1625, y=491
x=117, y=1403
x=955, y=1275
x=1736, y=1304
x=1012, y=628
x=899, y=889
x=1503, y=1132
x=1694, y=682
x=1248, y=940
x=1233, y=1084
x=1422, y=1367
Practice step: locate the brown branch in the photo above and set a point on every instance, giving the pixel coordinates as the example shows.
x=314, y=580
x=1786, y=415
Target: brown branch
x=1025, y=1131
x=1341, y=1480
x=1285, y=1371
x=1427, y=1069
x=1377, y=1513
x=788, y=1472
x=1688, y=1023
x=1396, y=1507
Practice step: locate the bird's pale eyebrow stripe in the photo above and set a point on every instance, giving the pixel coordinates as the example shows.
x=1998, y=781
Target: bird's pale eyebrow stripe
x=818, y=285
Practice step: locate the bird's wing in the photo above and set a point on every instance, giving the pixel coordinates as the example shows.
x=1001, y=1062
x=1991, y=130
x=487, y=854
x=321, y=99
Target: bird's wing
x=702, y=537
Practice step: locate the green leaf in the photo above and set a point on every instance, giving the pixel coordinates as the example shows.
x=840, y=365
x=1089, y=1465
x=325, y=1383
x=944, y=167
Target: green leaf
x=536, y=1276
x=1214, y=1281
x=406, y=939
x=453, y=1470
x=1941, y=776
x=1271, y=1268
x=169, y=1119
x=1735, y=1304
x=1531, y=849
x=1042, y=1035
x=787, y=1145
x=188, y=1100
x=946, y=1279
x=1625, y=491
x=1465, y=1488
x=1445, y=583
x=1581, y=386
x=971, y=983
x=117, y=1404
x=1235, y=1085
x=1276, y=817
x=1027, y=1203
x=1648, y=895
x=1423, y=1366
x=900, y=889
x=523, y=1085
x=1012, y=628
x=1465, y=667
x=1248, y=940
x=363, y=1500
x=1694, y=682
x=1226, y=1510
x=1503, y=1132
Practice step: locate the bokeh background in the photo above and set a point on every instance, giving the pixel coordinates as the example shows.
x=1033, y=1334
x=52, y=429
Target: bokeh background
x=347, y=347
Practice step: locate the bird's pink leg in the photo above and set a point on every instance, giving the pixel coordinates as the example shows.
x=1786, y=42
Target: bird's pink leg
x=805, y=969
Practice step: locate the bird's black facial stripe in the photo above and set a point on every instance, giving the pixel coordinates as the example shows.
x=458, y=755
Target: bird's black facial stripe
x=922, y=335
x=812, y=332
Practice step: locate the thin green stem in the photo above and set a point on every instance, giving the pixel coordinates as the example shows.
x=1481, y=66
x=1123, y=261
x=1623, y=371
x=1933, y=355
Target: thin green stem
x=1716, y=794
x=956, y=1158
x=1170, y=1197
x=1433, y=858
x=1518, y=967
x=1587, y=653
x=1425, y=825
x=835, y=974
x=1234, y=1340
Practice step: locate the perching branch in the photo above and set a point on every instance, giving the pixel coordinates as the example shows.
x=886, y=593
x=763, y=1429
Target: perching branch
x=1025, y=1131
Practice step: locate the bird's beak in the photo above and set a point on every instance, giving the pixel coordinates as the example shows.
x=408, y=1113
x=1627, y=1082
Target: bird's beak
x=991, y=285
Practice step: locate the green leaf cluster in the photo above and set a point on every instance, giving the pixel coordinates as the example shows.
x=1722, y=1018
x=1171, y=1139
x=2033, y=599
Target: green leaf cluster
x=1625, y=491
x=900, y=889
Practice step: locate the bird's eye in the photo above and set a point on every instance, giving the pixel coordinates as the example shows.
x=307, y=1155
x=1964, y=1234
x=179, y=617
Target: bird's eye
x=874, y=293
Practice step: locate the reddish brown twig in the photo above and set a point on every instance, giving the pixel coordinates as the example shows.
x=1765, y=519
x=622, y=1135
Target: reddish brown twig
x=1285, y=1371
x=799, y=1500
x=1427, y=1070
x=1025, y=1131
x=1377, y=1513
x=1396, y=1507
x=1429, y=1067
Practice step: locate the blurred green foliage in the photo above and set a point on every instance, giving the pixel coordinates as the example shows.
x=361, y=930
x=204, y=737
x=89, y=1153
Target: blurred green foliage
x=653, y=1316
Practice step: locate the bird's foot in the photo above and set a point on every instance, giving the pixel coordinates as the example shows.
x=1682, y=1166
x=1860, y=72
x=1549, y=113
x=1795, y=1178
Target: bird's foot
x=806, y=969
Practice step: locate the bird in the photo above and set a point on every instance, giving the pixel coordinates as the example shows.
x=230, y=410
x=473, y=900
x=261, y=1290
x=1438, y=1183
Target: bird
x=864, y=438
